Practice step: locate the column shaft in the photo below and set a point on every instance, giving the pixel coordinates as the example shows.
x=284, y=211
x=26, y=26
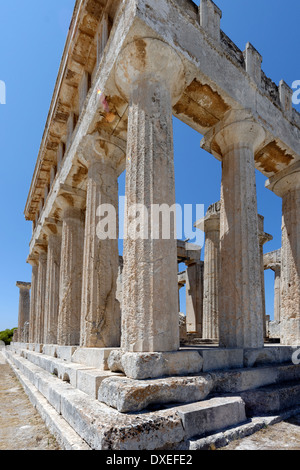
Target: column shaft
x=40, y=300
x=240, y=301
x=194, y=298
x=150, y=296
x=71, y=277
x=290, y=268
x=52, y=289
x=101, y=317
x=33, y=303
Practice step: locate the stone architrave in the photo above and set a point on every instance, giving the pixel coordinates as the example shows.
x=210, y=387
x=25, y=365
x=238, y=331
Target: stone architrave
x=150, y=288
x=100, y=309
x=72, y=202
x=24, y=307
x=240, y=294
x=211, y=226
x=53, y=229
x=286, y=184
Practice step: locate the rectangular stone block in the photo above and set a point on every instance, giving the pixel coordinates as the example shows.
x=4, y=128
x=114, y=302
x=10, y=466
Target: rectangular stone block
x=89, y=381
x=92, y=357
x=212, y=415
x=214, y=359
x=65, y=352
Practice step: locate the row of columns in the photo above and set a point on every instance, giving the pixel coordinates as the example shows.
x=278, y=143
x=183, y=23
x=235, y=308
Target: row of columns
x=87, y=312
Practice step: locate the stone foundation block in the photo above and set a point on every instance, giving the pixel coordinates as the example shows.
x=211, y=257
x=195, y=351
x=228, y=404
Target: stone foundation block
x=141, y=366
x=127, y=395
x=212, y=415
x=89, y=381
x=92, y=357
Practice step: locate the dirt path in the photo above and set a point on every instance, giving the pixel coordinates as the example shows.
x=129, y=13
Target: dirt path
x=21, y=427
x=281, y=436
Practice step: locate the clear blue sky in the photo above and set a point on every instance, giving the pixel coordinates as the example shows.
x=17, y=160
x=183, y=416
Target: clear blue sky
x=32, y=37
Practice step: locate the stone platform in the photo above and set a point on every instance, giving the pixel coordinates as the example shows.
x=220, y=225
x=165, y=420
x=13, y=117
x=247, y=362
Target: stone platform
x=176, y=412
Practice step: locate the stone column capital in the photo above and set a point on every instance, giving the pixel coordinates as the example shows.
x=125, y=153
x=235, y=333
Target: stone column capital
x=23, y=285
x=69, y=197
x=101, y=147
x=211, y=221
x=238, y=129
x=52, y=226
x=285, y=181
x=151, y=60
x=33, y=260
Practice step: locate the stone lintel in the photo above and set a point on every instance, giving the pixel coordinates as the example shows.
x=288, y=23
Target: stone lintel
x=188, y=252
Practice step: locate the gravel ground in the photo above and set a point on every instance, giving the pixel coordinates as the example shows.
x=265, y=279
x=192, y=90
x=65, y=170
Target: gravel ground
x=21, y=427
x=281, y=436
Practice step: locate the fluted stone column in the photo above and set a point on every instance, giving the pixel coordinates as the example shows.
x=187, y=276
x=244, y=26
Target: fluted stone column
x=33, y=261
x=263, y=238
x=70, y=271
x=277, y=294
x=24, y=307
x=211, y=226
x=40, y=298
x=240, y=301
x=150, y=289
x=101, y=314
x=194, y=297
x=52, y=282
x=287, y=185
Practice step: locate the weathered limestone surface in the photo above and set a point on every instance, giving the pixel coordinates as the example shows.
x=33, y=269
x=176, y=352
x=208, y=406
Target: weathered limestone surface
x=52, y=289
x=211, y=226
x=33, y=298
x=101, y=317
x=194, y=297
x=287, y=185
x=150, y=298
x=272, y=261
x=24, y=307
x=40, y=299
x=71, y=277
x=240, y=307
x=146, y=365
x=121, y=393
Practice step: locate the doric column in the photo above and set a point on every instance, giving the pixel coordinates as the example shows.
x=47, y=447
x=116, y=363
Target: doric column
x=240, y=294
x=53, y=229
x=211, y=226
x=24, y=307
x=194, y=297
x=70, y=284
x=40, y=296
x=100, y=312
x=277, y=295
x=287, y=185
x=263, y=238
x=150, y=289
x=33, y=261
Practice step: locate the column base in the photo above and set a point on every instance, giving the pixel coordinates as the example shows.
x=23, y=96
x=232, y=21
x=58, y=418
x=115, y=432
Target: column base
x=148, y=365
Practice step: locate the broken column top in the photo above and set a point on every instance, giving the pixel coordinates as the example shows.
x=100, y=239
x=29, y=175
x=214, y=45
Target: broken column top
x=23, y=285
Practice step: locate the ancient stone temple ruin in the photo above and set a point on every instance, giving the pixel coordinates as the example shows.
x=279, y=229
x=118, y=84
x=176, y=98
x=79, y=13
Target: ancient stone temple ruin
x=102, y=349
